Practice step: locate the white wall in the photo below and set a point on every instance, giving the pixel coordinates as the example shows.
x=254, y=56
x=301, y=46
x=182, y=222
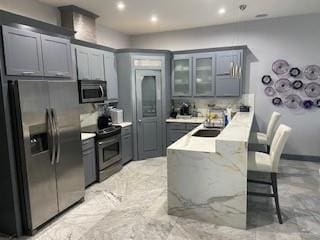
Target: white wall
x=111, y=38
x=296, y=39
x=32, y=9
x=50, y=14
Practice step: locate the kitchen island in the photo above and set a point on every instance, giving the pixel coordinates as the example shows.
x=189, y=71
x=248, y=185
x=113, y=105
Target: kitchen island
x=207, y=176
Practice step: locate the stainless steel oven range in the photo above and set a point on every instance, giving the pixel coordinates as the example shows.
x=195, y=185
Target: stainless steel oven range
x=108, y=149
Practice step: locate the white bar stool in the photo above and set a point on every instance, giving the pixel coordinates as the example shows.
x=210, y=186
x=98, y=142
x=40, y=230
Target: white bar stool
x=266, y=138
x=269, y=163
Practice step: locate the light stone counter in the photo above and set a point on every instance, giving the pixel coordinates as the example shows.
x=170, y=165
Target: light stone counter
x=207, y=177
x=85, y=136
x=186, y=120
x=123, y=124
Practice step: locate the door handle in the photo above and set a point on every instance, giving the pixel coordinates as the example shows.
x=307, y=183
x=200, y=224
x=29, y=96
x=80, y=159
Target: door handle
x=102, y=91
x=51, y=130
x=139, y=121
x=57, y=129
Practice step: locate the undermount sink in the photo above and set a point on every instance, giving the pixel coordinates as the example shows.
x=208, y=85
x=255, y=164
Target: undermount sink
x=207, y=133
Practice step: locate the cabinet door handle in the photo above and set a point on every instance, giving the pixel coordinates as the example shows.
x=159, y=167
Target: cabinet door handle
x=27, y=73
x=59, y=74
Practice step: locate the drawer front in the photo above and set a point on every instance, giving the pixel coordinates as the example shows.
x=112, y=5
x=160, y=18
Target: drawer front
x=87, y=144
x=176, y=126
x=126, y=131
x=191, y=126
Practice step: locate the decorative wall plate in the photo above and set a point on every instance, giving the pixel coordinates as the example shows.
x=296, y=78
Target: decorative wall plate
x=297, y=84
x=282, y=85
x=269, y=91
x=280, y=67
x=318, y=103
x=312, y=72
x=293, y=101
x=307, y=104
x=312, y=90
x=294, y=72
x=266, y=79
x=276, y=101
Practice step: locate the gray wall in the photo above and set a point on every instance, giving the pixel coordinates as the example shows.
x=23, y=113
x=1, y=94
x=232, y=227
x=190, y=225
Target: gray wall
x=50, y=14
x=293, y=38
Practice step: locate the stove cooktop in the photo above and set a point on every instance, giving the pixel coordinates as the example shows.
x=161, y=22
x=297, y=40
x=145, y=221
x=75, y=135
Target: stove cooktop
x=102, y=133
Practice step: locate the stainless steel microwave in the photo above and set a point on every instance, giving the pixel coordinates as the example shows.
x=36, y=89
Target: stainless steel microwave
x=92, y=91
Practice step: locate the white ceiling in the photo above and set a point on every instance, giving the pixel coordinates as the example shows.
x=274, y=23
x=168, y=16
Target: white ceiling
x=182, y=14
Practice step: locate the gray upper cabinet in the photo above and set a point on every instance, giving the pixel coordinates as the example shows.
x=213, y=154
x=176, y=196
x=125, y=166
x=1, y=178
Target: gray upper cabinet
x=203, y=75
x=225, y=60
x=110, y=71
x=182, y=76
x=226, y=84
x=56, y=56
x=96, y=64
x=83, y=67
x=90, y=64
x=23, y=55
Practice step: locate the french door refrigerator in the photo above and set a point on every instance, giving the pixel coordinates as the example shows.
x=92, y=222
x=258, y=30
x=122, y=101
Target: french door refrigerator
x=48, y=148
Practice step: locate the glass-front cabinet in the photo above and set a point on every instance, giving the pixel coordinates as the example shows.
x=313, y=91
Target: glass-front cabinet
x=203, y=75
x=182, y=76
x=208, y=74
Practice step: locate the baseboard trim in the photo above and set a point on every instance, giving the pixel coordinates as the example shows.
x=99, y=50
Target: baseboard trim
x=301, y=157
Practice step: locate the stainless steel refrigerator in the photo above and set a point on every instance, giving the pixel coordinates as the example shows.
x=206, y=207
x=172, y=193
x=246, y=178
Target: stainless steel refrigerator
x=48, y=148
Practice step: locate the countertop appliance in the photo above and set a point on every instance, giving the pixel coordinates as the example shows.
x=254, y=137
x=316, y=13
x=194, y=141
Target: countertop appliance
x=92, y=91
x=185, y=109
x=108, y=149
x=46, y=122
x=116, y=115
x=104, y=118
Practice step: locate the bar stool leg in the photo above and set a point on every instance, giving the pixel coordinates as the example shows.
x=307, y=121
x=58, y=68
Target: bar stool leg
x=276, y=197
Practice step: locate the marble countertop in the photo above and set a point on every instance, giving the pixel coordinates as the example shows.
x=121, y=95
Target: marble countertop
x=85, y=136
x=237, y=130
x=186, y=120
x=123, y=124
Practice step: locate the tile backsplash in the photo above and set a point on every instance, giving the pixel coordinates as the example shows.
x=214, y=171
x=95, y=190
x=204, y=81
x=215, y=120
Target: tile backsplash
x=201, y=104
x=88, y=114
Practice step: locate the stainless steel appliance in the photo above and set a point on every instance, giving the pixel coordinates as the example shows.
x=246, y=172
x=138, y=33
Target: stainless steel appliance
x=92, y=91
x=48, y=147
x=109, y=150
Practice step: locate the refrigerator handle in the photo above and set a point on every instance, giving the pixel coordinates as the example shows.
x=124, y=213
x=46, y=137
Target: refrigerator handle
x=51, y=131
x=57, y=129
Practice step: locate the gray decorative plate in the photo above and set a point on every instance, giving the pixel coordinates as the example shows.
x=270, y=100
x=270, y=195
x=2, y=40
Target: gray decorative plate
x=312, y=72
x=293, y=101
x=312, y=90
x=269, y=91
x=280, y=67
x=283, y=85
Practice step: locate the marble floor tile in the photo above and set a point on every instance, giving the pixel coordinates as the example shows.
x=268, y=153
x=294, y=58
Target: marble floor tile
x=132, y=204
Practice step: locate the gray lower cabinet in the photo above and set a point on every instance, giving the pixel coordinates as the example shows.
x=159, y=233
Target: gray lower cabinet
x=89, y=161
x=56, y=56
x=127, y=144
x=177, y=130
x=22, y=50
x=111, y=76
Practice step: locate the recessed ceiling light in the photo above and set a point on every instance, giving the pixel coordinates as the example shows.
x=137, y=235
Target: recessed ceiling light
x=154, y=19
x=121, y=6
x=222, y=11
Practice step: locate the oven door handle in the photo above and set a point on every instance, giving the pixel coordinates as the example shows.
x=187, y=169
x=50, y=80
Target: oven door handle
x=108, y=142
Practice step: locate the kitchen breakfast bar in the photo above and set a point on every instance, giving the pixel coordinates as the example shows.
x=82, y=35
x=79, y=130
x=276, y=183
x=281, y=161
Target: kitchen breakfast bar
x=207, y=176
